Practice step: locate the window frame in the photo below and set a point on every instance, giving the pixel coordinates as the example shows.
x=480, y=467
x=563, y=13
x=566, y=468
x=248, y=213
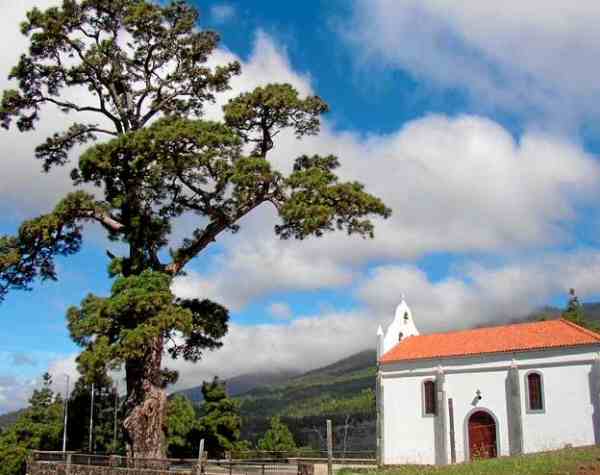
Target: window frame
x=528, y=407
x=424, y=397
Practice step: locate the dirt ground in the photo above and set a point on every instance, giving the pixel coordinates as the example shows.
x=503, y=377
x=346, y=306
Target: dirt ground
x=589, y=469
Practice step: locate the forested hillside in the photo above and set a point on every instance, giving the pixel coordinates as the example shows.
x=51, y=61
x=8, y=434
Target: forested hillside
x=343, y=392
x=346, y=386
x=9, y=418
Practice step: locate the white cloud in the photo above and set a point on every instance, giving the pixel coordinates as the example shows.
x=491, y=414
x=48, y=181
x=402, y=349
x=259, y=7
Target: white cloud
x=280, y=311
x=303, y=344
x=62, y=367
x=266, y=64
x=23, y=359
x=461, y=184
x=455, y=185
x=479, y=295
x=20, y=169
x=523, y=55
x=15, y=392
x=246, y=272
x=473, y=295
x=222, y=13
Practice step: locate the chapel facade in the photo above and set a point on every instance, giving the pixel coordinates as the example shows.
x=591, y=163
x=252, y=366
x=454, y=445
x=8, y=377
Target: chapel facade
x=487, y=392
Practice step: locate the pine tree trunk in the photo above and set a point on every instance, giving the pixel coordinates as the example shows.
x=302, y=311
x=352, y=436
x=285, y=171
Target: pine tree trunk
x=147, y=405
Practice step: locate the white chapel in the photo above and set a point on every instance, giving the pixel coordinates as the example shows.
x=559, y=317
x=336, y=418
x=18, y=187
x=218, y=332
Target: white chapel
x=487, y=392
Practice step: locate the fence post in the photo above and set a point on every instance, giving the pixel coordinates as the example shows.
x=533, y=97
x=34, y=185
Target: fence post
x=230, y=462
x=68, y=467
x=200, y=455
x=329, y=448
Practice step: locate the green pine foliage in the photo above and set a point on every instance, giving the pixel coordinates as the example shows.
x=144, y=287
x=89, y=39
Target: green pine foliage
x=153, y=159
x=217, y=421
x=40, y=427
x=220, y=421
x=278, y=438
x=141, y=309
x=182, y=428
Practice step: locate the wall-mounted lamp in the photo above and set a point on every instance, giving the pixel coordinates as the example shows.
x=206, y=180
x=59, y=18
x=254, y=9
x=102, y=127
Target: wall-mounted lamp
x=478, y=395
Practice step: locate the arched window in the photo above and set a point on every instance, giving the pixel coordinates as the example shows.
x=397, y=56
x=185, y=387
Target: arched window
x=429, y=402
x=535, y=392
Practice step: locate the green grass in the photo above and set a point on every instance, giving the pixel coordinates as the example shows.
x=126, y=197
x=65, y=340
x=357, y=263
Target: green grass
x=580, y=461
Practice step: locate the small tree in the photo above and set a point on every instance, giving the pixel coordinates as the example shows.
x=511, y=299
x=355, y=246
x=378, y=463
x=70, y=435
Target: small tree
x=574, y=311
x=220, y=420
x=278, y=438
x=181, y=423
x=40, y=427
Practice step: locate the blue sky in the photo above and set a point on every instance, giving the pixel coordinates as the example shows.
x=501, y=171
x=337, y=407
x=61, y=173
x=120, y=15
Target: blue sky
x=475, y=122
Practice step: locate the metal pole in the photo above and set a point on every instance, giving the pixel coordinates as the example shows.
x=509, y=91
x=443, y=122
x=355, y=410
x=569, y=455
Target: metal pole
x=66, y=412
x=116, y=389
x=91, y=419
x=329, y=448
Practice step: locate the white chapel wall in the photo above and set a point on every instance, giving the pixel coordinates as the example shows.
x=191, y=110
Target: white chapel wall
x=409, y=436
x=462, y=388
x=567, y=417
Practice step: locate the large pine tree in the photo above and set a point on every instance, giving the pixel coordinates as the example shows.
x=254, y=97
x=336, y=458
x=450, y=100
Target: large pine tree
x=153, y=159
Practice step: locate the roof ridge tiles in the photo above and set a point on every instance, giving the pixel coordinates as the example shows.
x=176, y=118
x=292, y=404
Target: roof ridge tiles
x=514, y=337
x=587, y=331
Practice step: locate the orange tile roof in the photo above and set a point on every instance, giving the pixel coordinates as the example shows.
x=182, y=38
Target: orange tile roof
x=507, y=338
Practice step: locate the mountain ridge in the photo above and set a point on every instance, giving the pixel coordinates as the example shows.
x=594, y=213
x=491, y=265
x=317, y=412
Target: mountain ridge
x=242, y=383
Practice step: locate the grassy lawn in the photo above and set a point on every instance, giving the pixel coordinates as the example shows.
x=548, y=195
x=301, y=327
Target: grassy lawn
x=580, y=461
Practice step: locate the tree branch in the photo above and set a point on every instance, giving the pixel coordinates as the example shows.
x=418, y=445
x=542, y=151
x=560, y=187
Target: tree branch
x=104, y=218
x=193, y=246
x=70, y=105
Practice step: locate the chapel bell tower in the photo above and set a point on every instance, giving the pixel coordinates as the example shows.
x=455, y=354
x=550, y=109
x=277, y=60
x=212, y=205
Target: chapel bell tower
x=401, y=327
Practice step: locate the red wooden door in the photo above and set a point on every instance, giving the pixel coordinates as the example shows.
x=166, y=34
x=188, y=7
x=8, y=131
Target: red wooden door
x=482, y=435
